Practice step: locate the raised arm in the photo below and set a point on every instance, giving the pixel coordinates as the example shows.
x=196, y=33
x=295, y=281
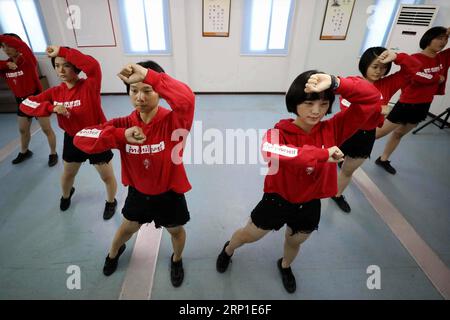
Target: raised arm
x=177, y=94
x=363, y=100
x=390, y=84
x=84, y=62
x=22, y=47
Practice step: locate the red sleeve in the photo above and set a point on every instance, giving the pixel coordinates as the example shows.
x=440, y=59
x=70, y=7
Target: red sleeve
x=20, y=46
x=426, y=78
x=358, y=91
x=363, y=101
x=40, y=105
x=99, y=139
x=444, y=58
x=422, y=77
x=409, y=64
x=390, y=84
x=123, y=122
x=177, y=94
x=85, y=63
x=273, y=148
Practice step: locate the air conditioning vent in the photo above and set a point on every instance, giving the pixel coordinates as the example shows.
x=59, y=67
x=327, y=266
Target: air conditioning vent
x=416, y=15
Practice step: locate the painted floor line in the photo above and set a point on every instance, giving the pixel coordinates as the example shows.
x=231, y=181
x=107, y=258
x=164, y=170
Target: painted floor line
x=430, y=263
x=10, y=147
x=138, y=280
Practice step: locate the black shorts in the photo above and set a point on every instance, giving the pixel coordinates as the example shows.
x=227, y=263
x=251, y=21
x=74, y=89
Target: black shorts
x=19, y=101
x=273, y=212
x=404, y=113
x=168, y=209
x=360, y=144
x=73, y=154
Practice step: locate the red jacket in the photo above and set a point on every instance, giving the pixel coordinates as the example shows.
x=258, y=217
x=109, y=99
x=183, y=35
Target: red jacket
x=389, y=85
x=149, y=167
x=23, y=81
x=425, y=84
x=82, y=101
x=303, y=171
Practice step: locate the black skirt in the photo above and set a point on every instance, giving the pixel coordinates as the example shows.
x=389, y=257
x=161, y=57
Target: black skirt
x=413, y=113
x=360, y=144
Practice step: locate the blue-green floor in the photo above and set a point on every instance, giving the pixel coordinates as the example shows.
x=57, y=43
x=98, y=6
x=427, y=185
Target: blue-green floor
x=38, y=242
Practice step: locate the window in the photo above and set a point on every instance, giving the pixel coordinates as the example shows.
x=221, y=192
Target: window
x=145, y=26
x=267, y=25
x=380, y=24
x=22, y=17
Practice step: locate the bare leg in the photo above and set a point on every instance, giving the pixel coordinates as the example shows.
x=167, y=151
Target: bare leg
x=123, y=234
x=345, y=176
x=24, y=130
x=48, y=131
x=292, y=246
x=68, y=177
x=248, y=234
x=178, y=237
x=394, y=140
x=107, y=174
x=387, y=128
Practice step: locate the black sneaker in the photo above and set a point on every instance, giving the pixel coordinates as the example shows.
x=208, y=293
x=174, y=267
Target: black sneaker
x=64, y=203
x=342, y=203
x=176, y=272
x=111, y=263
x=386, y=165
x=288, y=277
x=223, y=260
x=52, y=159
x=22, y=157
x=110, y=209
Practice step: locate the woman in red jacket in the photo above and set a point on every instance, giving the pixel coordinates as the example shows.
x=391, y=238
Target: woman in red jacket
x=302, y=156
x=76, y=102
x=151, y=153
x=373, y=65
x=416, y=98
x=20, y=72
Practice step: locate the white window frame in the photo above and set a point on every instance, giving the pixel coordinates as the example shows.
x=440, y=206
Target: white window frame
x=247, y=26
x=25, y=34
x=125, y=31
x=390, y=20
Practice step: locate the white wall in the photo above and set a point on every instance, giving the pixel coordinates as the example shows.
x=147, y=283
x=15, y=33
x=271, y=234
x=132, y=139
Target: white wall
x=215, y=64
x=339, y=56
x=110, y=58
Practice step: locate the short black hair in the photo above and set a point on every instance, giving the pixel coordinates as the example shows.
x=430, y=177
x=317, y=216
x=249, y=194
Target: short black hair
x=368, y=57
x=431, y=34
x=297, y=95
x=149, y=64
x=77, y=71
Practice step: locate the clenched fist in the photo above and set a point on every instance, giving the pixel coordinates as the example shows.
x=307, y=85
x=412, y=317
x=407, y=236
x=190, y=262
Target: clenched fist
x=135, y=135
x=132, y=73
